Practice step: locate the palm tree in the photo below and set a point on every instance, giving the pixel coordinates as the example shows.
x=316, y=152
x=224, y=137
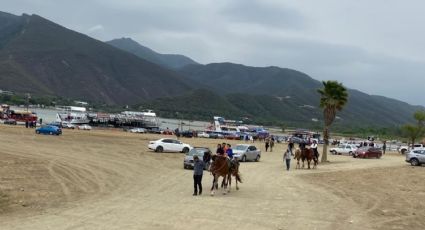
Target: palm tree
x=333, y=98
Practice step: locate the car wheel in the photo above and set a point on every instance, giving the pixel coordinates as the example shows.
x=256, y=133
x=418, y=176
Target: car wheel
x=185, y=150
x=38, y=132
x=365, y=156
x=414, y=162
x=51, y=133
x=333, y=152
x=354, y=156
x=403, y=151
x=350, y=153
x=159, y=149
x=244, y=158
x=257, y=158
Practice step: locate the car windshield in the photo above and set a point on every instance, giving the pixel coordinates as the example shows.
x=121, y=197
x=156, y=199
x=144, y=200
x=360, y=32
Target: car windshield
x=197, y=151
x=241, y=147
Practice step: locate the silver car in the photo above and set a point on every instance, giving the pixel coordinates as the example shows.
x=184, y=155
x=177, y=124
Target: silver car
x=416, y=157
x=246, y=152
x=198, y=151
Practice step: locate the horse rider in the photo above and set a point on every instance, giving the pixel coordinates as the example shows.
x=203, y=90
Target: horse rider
x=220, y=150
x=314, y=147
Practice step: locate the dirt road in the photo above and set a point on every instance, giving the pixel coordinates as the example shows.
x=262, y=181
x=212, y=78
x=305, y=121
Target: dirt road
x=109, y=180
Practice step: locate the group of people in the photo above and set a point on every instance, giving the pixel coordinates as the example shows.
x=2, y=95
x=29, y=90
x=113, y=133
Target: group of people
x=290, y=152
x=269, y=143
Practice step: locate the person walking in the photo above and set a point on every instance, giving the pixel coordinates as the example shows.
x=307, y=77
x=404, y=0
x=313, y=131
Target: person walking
x=287, y=155
x=267, y=145
x=198, y=170
x=384, y=147
x=271, y=144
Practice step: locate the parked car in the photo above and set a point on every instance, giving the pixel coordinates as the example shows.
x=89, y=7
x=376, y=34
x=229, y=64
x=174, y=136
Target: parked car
x=68, y=126
x=84, y=127
x=154, y=130
x=188, y=158
x=368, y=152
x=10, y=122
x=57, y=124
x=404, y=148
x=187, y=133
x=169, y=145
x=203, y=134
x=215, y=135
x=416, y=157
x=232, y=136
x=137, y=130
x=49, y=129
x=246, y=152
x=348, y=149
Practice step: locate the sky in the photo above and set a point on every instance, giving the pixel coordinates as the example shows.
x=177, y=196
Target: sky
x=373, y=46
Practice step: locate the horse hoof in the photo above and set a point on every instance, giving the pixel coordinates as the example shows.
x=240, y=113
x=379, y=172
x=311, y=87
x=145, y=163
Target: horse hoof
x=237, y=188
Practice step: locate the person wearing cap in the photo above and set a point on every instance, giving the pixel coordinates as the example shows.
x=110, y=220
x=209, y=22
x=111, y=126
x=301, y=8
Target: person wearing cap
x=198, y=171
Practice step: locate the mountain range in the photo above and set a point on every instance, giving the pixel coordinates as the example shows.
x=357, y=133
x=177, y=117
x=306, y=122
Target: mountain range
x=41, y=57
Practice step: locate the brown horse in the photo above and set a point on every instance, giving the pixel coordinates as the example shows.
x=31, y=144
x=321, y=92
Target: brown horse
x=298, y=158
x=234, y=171
x=219, y=168
x=307, y=154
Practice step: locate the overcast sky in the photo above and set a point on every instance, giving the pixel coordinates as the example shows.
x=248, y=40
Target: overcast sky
x=373, y=46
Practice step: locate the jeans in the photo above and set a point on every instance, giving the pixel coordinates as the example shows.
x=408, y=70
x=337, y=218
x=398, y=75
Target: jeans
x=288, y=163
x=197, y=183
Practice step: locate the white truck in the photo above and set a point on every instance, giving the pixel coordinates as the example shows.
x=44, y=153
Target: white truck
x=404, y=148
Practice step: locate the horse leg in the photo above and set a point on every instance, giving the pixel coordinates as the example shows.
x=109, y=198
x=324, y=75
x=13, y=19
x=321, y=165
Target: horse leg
x=308, y=163
x=225, y=185
x=215, y=185
x=229, y=181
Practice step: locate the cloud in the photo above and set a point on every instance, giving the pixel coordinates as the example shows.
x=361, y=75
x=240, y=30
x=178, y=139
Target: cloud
x=95, y=28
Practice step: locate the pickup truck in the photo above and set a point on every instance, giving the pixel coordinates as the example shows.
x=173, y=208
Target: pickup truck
x=347, y=149
x=404, y=148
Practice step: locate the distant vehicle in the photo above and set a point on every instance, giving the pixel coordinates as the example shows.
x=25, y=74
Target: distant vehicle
x=68, y=126
x=297, y=140
x=49, y=129
x=416, y=157
x=203, y=134
x=198, y=151
x=10, y=122
x=215, y=135
x=57, y=124
x=348, y=149
x=405, y=148
x=368, y=152
x=154, y=130
x=187, y=133
x=137, y=130
x=169, y=145
x=84, y=127
x=246, y=152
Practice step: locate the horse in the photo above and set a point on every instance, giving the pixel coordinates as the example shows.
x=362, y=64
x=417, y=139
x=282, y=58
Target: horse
x=307, y=154
x=298, y=158
x=219, y=168
x=234, y=171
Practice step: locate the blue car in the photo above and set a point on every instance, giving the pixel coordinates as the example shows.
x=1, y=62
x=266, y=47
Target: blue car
x=49, y=129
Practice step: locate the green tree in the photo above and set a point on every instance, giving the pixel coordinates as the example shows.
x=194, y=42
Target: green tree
x=333, y=98
x=414, y=132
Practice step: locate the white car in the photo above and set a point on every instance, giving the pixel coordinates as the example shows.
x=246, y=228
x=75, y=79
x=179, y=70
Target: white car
x=169, y=145
x=84, y=127
x=204, y=135
x=246, y=152
x=348, y=149
x=137, y=130
x=68, y=126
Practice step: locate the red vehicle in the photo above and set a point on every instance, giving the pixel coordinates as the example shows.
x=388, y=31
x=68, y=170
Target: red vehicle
x=17, y=115
x=368, y=152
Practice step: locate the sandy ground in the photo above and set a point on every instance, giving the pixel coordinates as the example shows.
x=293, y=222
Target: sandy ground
x=109, y=180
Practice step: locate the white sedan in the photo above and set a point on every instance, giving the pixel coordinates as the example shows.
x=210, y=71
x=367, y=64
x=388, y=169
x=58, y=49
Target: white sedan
x=344, y=149
x=137, y=130
x=169, y=145
x=84, y=127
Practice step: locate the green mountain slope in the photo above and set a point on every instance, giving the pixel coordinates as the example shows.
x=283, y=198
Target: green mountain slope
x=41, y=57
x=172, y=61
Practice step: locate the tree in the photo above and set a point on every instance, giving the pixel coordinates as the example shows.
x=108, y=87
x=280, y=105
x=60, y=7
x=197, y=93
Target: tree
x=414, y=132
x=333, y=98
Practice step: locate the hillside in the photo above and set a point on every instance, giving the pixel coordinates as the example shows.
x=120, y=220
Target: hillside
x=41, y=57
x=172, y=61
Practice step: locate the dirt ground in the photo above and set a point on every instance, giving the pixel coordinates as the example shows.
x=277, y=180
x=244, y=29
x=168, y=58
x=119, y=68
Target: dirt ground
x=108, y=179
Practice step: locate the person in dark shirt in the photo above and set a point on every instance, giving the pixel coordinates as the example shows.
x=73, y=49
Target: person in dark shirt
x=207, y=159
x=220, y=150
x=229, y=151
x=198, y=170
